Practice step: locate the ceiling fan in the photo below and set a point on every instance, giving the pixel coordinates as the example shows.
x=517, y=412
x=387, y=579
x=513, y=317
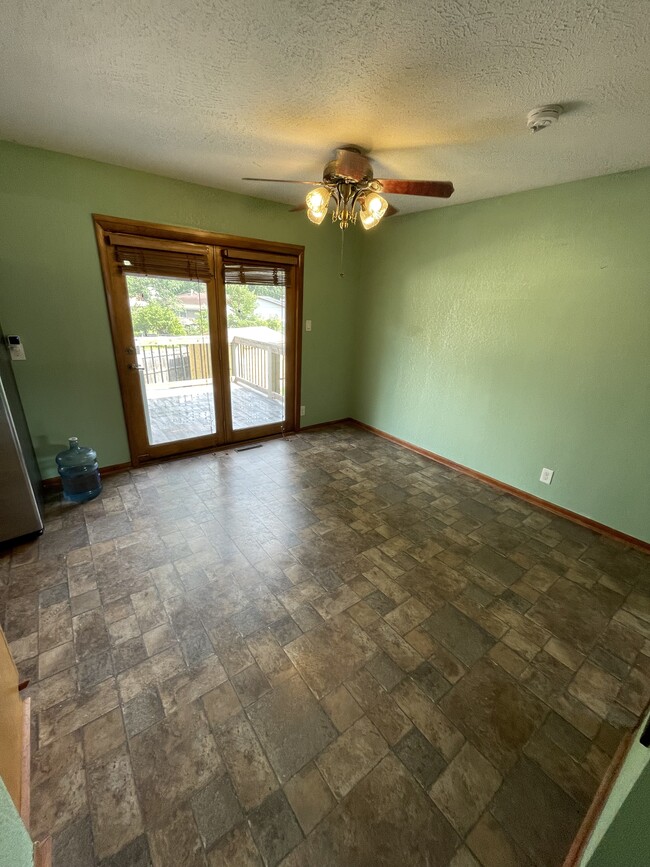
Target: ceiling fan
x=349, y=182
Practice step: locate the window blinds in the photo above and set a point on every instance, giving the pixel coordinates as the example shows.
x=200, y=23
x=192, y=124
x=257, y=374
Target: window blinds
x=138, y=254
x=254, y=274
x=153, y=257
x=256, y=268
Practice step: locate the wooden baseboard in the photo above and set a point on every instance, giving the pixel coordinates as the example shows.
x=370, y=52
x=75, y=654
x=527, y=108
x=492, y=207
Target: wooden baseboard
x=603, y=792
x=577, y=518
x=588, y=824
x=324, y=424
x=54, y=482
x=43, y=853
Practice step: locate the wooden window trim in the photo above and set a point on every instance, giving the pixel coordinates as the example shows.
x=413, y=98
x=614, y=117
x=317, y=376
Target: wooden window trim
x=119, y=239
x=121, y=225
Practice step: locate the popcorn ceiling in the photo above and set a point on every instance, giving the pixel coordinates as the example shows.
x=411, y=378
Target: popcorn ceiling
x=438, y=89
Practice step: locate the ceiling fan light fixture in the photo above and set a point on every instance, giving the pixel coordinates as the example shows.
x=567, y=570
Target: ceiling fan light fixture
x=349, y=181
x=317, y=201
x=316, y=216
x=372, y=208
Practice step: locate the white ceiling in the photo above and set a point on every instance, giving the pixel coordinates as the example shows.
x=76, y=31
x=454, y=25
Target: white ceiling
x=209, y=91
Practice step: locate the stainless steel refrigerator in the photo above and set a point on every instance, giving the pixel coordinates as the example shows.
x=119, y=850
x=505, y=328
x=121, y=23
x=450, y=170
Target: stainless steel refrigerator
x=20, y=482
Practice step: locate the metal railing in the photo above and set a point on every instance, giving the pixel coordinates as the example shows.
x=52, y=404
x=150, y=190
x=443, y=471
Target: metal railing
x=174, y=359
x=254, y=363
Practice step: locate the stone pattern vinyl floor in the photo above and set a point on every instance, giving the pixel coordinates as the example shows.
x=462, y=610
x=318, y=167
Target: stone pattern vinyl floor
x=327, y=651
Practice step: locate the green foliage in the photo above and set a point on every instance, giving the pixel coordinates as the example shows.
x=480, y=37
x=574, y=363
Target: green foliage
x=241, y=301
x=201, y=324
x=160, y=288
x=162, y=312
x=156, y=318
x=270, y=291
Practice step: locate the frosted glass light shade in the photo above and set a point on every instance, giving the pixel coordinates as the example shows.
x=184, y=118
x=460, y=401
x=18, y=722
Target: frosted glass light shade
x=372, y=208
x=317, y=201
x=316, y=216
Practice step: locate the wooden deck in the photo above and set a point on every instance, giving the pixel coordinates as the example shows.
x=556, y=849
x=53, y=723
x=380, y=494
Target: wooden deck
x=180, y=412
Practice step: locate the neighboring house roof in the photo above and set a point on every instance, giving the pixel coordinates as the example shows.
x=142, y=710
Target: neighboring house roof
x=259, y=333
x=193, y=301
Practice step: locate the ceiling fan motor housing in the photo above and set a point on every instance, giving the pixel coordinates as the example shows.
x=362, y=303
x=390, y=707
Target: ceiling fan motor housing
x=349, y=165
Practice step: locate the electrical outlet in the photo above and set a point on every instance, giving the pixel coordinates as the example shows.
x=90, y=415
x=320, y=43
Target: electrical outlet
x=303, y=410
x=547, y=476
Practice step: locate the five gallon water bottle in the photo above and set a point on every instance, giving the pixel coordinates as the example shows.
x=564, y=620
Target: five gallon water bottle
x=79, y=472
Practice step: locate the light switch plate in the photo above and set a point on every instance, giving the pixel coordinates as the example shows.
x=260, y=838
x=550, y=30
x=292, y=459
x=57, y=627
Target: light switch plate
x=308, y=325
x=16, y=348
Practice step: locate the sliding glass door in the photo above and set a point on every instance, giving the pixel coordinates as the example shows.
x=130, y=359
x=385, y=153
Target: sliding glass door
x=205, y=338
x=259, y=297
x=173, y=357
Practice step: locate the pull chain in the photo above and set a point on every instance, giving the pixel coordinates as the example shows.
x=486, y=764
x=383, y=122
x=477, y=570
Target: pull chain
x=341, y=274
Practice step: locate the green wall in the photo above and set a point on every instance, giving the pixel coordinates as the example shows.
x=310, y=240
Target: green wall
x=508, y=334
x=15, y=845
x=514, y=334
x=51, y=290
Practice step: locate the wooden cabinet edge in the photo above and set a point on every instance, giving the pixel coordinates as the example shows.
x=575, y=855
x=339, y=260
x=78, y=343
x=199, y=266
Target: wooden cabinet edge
x=25, y=761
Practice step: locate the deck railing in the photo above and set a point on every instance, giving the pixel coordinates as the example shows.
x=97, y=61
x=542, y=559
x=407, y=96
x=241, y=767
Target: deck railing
x=258, y=365
x=173, y=359
x=186, y=359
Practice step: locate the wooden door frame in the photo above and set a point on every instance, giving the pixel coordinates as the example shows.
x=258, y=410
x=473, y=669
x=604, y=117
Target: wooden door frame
x=113, y=285
x=292, y=350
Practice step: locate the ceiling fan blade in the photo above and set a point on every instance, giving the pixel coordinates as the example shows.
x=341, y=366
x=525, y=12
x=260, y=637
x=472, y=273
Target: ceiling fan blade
x=281, y=181
x=439, y=189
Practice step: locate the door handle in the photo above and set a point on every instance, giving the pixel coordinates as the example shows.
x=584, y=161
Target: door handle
x=135, y=367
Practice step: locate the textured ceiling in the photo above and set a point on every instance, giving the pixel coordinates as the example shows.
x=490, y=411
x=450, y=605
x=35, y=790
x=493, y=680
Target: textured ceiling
x=209, y=91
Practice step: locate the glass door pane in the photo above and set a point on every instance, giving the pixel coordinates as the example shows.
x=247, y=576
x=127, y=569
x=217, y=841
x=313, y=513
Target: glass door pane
x=172, y=356
x=256, y=316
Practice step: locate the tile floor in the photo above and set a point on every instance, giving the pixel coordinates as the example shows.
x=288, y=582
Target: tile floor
x=328, y=651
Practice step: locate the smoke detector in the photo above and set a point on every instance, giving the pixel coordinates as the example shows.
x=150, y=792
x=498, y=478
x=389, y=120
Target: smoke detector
x=545, y=115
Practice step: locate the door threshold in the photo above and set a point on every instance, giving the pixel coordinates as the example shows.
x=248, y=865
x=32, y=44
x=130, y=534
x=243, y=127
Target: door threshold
x=239, y=446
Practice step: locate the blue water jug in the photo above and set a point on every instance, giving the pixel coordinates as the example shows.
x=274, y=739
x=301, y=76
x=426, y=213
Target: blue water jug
x=79, y=472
